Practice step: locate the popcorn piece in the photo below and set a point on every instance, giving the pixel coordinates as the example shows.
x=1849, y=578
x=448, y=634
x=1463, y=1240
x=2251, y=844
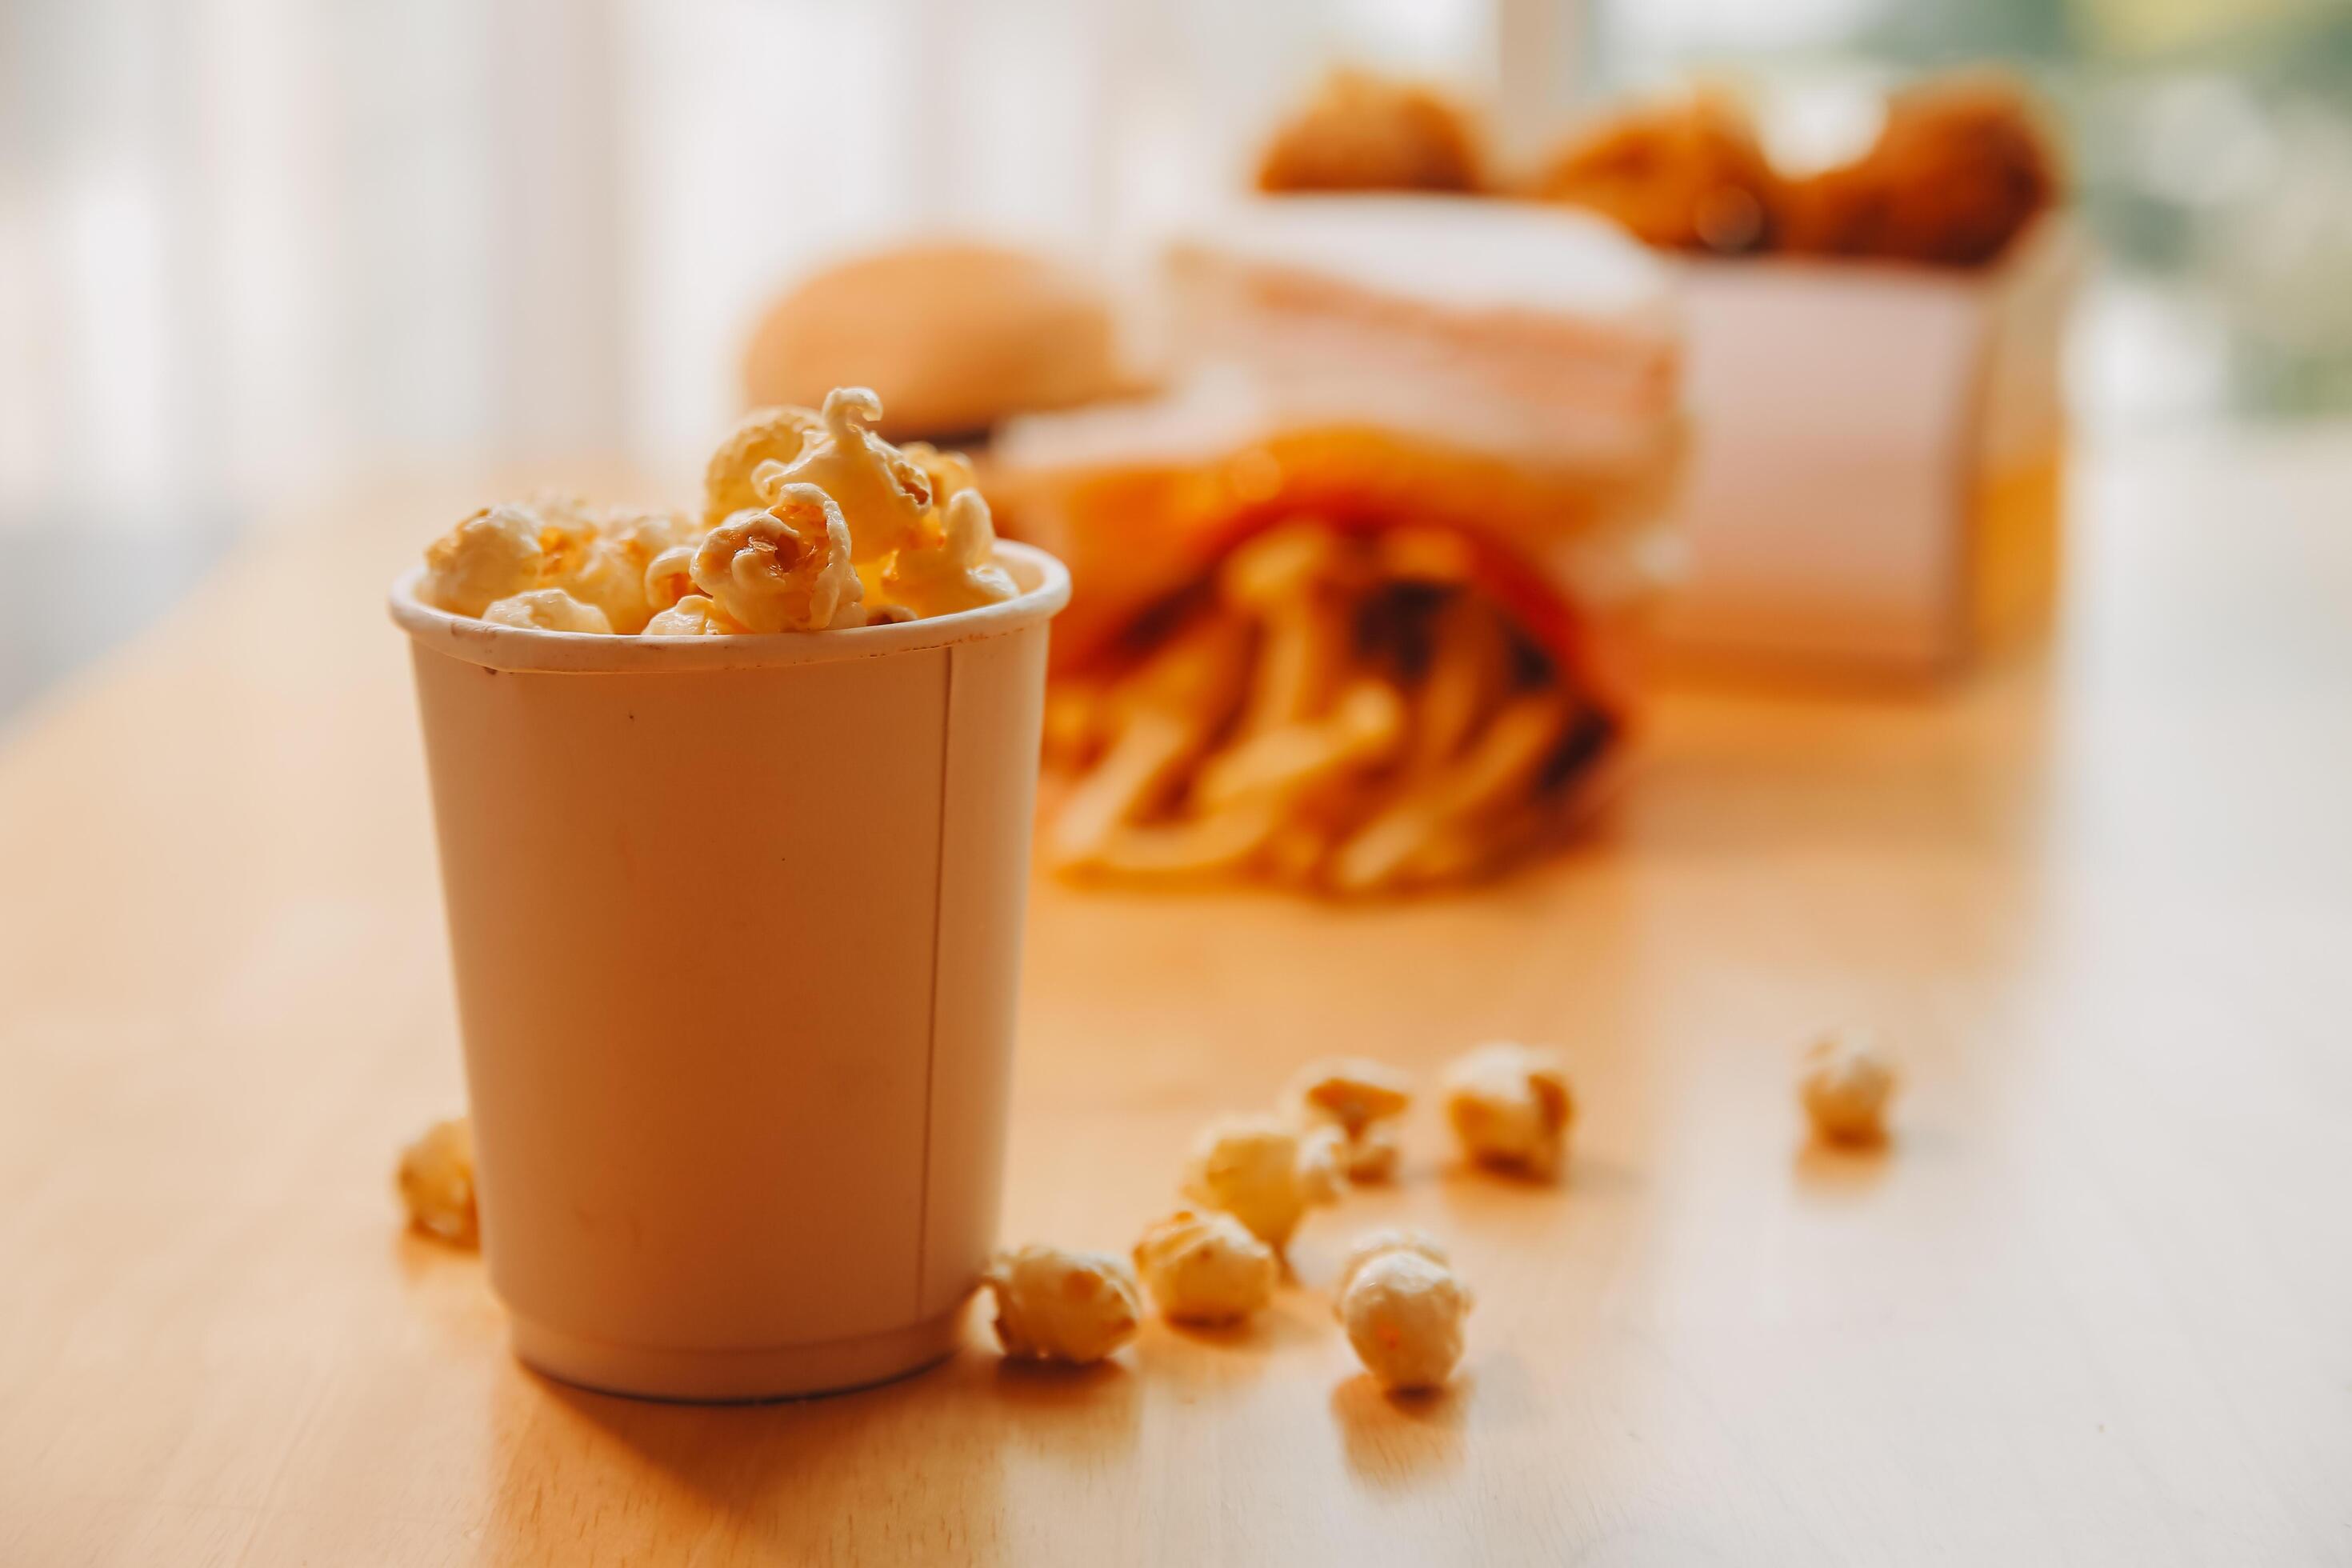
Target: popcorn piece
x=883, y=495
x=1372, y=1154
x=1353, y=1091
x=783, y=570
x=437, y=1182
x=958, y=569
x=1510, y=1107
x=1322, y=1162
x=490, y=556
x=1248, y=1167
x=669, y=577
x=692, y=616
x=1403, y=1312
x=1206, y=1267
x=1378, y=1243
x=607, y=562
x=1846, y=1084
x=1058, y=1305
x=769, y=435
x=547, y=610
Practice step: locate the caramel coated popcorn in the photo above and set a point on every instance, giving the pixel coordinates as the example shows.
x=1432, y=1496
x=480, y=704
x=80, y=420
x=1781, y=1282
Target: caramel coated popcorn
x=1206, y=1267
x=1510, y=1107
x=783, y=570
x=1059, y=1305
x=810, y=522
x=436, y=1184
x=1847, y=1081
x=1404, y=1310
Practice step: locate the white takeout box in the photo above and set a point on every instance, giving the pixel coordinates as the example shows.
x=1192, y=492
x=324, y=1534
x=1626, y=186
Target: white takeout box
x=736, y=924
x=1874, y=477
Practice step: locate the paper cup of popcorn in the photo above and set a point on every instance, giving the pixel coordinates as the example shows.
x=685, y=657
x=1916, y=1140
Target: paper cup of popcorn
x=736, y=924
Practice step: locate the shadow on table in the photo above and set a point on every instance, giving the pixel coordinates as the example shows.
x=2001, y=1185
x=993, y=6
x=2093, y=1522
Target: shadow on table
x=1400, y=1442
x=911, y=1471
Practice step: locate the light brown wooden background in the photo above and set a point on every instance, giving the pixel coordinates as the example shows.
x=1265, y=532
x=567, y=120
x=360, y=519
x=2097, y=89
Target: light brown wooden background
x=2095, y=1304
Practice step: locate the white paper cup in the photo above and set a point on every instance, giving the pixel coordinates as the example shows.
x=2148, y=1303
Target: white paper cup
x=736, y=924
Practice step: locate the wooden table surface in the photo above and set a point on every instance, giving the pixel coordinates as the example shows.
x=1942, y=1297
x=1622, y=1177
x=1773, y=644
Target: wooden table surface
x=2094, y=1304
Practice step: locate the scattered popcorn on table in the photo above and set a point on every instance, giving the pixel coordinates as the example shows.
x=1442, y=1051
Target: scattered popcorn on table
x=547, y=610
x=1403, y=1311
x=437, y=1182
x=810, y=522
x=490, y=555
x=1361, y=1099
x=1372, y=1155
x=1510, y=1107
x=783, y=570
x=1846, y=1084
x=1322, y=1162
x=1206, y=1267
x=1354, y=1091
x=1389, y=1239
x=1248, y=1167
x=1058, y=1305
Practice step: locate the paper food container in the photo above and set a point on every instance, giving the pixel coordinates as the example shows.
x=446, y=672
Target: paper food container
x=1876, y=459
x=736, y=926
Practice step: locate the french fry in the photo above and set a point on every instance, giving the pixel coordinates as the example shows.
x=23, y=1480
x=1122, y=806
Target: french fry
x=1469, y=671
x=1220, y=842
x=1168, y=712
x=1426, y=556
x=1359, y=732
x=1499, y=767
x=1284, y=578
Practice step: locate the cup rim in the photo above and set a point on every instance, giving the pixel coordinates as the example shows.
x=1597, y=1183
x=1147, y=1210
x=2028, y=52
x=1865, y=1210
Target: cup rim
x=1043, y=581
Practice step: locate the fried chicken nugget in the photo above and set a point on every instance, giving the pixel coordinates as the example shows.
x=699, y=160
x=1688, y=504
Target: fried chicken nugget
x=1365, y=132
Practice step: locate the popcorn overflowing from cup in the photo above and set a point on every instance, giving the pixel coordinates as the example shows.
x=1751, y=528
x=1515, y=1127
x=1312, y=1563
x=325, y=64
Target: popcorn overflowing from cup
x=809, y=522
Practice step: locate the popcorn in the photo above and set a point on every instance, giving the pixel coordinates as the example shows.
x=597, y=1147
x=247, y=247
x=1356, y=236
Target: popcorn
x=1372, y=1154
x=692, y=616
x=1206, y=1267
x=437, y=1182
x=783, y=570
x=956, y=572
x=769, y=435
x=1510, y=1107
x=669, y=576
x=812, y=523
x=1846, y=1084
x=1249, y=1167
x=547, y=610
x=1058, y=1305
x=1322, y=1162
x=883, y=495
x=1389, y=1239
x=1403, y=1312
x=490, y=556
x=1352, y=1091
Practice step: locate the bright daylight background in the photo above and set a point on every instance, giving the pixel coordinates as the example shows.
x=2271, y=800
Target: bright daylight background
x=253, y=250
